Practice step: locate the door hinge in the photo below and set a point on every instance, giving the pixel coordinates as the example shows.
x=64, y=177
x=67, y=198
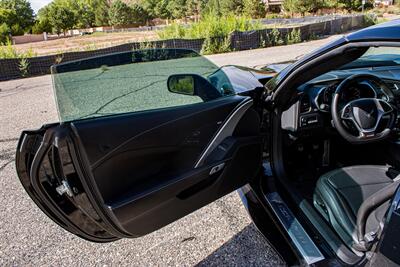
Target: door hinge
x=64, y=188
x=269, y=102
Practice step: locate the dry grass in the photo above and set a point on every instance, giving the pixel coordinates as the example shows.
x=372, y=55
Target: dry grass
x=85, y=43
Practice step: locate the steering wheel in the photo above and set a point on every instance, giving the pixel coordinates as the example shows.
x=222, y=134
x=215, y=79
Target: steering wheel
x=366, y=114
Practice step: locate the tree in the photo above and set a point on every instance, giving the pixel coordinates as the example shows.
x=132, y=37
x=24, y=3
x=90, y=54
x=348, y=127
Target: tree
x=42, y=23
x=355, y=5
x=177, y=9
x=351, y=5
x=231, y=6
x=193, y=8
x=84, y=12
x=5, y=32
x=214, y=7
x=254, y=8
x=90, y=13
x=119, y=13
x=17, y=14
x=138, y=14
x=162, y=10
x=309, y=6
x=302, y=6
x=101, y=12
x=290, y=6
x=60, y=16
x=150, y=7
x=335, y=4
x=5, y=15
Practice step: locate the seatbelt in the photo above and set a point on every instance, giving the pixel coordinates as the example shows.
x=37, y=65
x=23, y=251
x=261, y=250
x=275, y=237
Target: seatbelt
x=367, y=207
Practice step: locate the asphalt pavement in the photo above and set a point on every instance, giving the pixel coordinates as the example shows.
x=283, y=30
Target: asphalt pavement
x=218, y=234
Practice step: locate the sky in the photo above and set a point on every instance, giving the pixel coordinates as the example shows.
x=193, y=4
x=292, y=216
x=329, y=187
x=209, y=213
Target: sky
x=37, y=4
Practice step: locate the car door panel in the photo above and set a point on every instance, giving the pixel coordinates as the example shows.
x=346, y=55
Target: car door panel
x=132, y=174
x=145, y=211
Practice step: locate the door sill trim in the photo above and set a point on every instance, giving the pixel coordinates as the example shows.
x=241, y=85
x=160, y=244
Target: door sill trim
x=303, y=242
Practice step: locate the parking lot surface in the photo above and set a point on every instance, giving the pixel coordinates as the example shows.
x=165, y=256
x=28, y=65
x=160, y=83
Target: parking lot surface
x=218, y=234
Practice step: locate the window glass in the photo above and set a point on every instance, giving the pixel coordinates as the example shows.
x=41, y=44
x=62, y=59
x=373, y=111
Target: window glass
x=376, y=57
x=125, y=82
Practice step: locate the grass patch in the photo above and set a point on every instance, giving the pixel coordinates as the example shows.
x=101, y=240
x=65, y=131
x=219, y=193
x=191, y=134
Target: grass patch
x=210, y=26
x=213, y=29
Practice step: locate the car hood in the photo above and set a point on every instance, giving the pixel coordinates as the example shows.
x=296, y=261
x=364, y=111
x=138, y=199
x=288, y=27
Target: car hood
x=243, y=79
x=277, y=67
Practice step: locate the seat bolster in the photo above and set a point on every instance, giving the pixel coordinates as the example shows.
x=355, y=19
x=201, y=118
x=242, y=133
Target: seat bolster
x=340, y=215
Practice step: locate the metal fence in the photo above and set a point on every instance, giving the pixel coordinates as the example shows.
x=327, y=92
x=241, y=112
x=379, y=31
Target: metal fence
x=11, y=68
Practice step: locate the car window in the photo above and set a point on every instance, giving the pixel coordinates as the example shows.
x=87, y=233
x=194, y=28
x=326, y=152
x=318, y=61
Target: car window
x=376, y=57
x=125, y=82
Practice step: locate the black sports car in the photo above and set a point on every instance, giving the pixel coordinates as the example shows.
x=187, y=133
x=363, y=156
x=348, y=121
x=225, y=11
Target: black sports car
x=147, y=137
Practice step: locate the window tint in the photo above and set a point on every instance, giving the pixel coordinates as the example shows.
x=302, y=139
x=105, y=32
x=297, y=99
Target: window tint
x=376, y=57
x=124, y=82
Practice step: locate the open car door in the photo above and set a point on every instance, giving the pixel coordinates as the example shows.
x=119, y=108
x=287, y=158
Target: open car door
x=140, y=143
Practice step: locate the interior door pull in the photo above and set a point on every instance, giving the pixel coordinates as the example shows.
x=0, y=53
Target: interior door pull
x=217, y=168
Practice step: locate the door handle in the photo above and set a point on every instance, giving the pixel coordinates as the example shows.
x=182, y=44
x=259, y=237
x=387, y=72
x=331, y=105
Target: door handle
x=217, y=168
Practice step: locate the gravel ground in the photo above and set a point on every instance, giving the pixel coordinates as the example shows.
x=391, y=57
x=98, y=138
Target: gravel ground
x=218, y=234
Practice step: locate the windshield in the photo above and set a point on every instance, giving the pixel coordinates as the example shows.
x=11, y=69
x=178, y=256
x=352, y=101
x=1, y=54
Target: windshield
x=124, y=82
x=376, y=57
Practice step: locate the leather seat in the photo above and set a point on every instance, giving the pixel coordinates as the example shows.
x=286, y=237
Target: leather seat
x=339, y=194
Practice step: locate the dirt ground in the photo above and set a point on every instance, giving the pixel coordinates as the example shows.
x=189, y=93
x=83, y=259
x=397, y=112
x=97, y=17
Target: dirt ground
x=86, y=42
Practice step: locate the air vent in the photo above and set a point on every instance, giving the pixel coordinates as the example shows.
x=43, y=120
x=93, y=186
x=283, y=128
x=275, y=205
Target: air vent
x=305, y=104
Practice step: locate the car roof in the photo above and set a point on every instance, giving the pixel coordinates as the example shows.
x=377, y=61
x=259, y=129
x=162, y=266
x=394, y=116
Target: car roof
x=388, y=31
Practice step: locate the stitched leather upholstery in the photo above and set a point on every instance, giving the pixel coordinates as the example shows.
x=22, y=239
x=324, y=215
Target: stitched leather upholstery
x=340, y=193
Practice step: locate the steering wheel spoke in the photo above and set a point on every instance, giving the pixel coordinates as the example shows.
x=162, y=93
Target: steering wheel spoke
x=363, y=135
x=384, y=107
x=347, y=113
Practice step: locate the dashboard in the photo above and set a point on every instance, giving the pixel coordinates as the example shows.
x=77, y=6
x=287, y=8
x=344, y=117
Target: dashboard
x=325, y=93
x=313, y=108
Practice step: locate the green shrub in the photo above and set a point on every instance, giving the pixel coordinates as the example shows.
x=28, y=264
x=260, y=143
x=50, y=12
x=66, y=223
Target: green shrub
x=210, y=26
x=263, y=42
x=275, y=37
x=216, y=45
x=294, y=37
x=23, y=67
x=8, y=51
x=16, y=29
x=370, y=19
x=4, y=33
x=312, y=37
x=59, y=58
x=273, y=16
x=174, y=31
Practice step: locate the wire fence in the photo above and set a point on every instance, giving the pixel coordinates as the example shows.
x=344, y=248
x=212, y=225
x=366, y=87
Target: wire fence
x=14, y=69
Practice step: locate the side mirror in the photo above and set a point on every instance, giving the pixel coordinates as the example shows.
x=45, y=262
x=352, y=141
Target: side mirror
x=183, y=84
x=193, y=84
